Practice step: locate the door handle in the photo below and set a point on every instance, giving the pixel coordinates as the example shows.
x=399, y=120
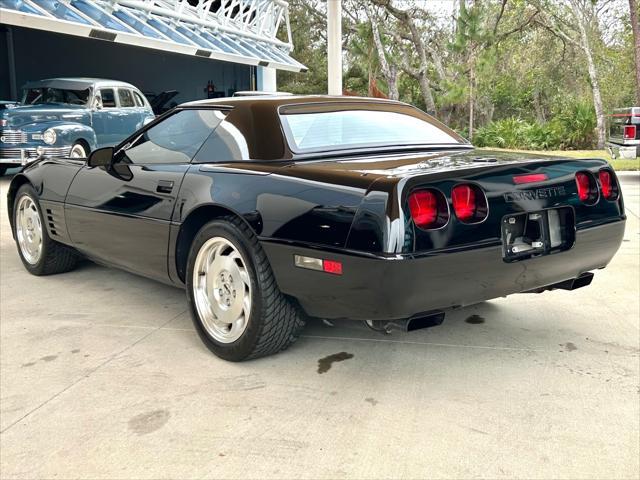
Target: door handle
x=164, y=186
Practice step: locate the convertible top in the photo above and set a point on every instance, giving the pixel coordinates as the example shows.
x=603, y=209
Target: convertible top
x=257, y=119
x=278, y=100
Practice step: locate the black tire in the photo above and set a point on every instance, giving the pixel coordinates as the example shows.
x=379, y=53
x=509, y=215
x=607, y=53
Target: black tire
x=55, y=257
x=274, y=322
x=3, y=170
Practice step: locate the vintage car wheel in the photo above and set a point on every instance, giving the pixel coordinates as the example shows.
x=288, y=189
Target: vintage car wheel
x=39, y=253
x=78, y=151
x=237, y=308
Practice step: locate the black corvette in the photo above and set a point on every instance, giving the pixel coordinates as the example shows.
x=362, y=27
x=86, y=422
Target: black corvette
x=271, y=209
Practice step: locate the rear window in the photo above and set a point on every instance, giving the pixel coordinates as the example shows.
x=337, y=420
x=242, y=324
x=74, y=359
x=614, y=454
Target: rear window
x=139, y=101
x=346, y=129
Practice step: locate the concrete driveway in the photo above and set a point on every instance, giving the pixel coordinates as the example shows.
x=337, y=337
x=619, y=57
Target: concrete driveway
x=103, y=376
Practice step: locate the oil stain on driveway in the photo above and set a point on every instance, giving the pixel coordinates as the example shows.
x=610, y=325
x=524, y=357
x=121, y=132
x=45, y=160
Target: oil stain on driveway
x=324, y=364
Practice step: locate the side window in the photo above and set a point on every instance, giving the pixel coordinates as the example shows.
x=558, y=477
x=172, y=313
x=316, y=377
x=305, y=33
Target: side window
x=108, y=98
x=139, y=100
x=174, y=140
x=226, y=144
x=126, y=98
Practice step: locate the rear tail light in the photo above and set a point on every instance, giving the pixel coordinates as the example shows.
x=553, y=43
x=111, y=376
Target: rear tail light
x=629, y=132
x=608, y=184
x=469, y=203
x=587, y=188
x=428, y=208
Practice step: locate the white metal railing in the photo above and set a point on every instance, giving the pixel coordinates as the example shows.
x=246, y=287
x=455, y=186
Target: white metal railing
x=243, y=31
x=254, y=19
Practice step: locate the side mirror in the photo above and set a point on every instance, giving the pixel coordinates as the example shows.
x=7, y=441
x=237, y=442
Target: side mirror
x=97, y=103
x=102, y=157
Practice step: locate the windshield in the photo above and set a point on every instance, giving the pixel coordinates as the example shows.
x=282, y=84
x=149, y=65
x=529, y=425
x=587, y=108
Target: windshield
x=345, y=129
x=37, y=96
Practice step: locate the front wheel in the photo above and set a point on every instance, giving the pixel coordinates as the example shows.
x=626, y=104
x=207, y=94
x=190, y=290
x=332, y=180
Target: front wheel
x=78, y=150
x=39, y=253
x=236, y=306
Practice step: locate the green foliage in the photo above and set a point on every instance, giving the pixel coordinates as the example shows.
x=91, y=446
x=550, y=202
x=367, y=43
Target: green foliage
x=542, y=136
x=576, y=122
x=310, y=48
x=572, y=128
x=507, y=133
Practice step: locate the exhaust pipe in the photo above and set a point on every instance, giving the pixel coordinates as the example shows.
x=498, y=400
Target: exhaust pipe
x=580, y=281
x=425, y=321
x=418, y=322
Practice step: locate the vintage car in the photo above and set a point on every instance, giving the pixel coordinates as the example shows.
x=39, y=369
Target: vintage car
x=270, y=209
x=69, y=117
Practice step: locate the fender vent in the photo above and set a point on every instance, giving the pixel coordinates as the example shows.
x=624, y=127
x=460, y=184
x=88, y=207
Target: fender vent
x=52, y=222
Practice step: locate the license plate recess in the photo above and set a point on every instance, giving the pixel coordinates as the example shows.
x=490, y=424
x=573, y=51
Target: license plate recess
x=531, y=234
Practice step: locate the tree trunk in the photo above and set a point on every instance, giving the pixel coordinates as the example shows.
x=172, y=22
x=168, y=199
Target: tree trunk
x=472, y=81
x=537, y=106
x=425, y=88
x=371, y=79
x=389, y=71
x=635, y=27
x=405, y=18
x=597, y=99
x=392, y=82
x=593, y=77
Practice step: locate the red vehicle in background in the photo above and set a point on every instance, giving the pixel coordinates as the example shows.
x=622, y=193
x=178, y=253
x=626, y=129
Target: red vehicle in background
x=624, y=133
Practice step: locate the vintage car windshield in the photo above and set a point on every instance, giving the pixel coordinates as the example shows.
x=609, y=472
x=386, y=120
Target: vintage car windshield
x=41, y=95
x=309, y=132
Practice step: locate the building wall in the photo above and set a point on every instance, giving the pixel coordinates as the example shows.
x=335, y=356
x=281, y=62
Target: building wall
x=4, y=65
x=40, y=54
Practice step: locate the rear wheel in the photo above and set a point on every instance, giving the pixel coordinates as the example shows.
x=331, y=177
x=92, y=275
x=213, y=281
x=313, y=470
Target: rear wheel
x=236, y=306
x=39, y=253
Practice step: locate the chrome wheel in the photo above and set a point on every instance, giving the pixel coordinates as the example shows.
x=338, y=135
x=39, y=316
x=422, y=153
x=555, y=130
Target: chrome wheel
x=222, y=290
x=77, y=151
x=29, y=230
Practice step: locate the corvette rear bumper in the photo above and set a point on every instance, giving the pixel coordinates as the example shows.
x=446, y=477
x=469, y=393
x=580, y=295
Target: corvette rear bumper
x=376, y=288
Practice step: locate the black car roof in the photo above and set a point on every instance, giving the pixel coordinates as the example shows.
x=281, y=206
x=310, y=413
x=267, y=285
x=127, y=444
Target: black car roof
x=279, y=100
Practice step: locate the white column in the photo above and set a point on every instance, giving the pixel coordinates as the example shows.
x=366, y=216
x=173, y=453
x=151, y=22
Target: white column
x=334, y=46
x=266, y=79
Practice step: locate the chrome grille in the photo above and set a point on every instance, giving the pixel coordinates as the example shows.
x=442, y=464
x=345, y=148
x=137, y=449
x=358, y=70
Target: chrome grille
x=13, y=136
x=14, y=153
x=9, y=153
